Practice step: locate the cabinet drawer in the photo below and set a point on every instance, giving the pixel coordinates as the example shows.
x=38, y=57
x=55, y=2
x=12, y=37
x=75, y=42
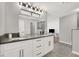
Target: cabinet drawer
x=37, y=42
x=38, y=53
x=37, y=47
x=27, y=42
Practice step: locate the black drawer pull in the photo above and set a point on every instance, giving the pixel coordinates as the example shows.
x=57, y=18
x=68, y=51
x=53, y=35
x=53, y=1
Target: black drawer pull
x=38, y=46
x=39, y=53
x=38, y=40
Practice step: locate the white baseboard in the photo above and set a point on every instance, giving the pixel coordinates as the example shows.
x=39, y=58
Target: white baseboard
x=74, y=52
x=65, y=42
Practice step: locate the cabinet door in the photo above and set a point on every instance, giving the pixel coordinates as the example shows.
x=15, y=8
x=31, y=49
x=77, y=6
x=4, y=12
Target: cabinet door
x=1, y=50
x=48, y=44
x=27, y=49
x=12, y=53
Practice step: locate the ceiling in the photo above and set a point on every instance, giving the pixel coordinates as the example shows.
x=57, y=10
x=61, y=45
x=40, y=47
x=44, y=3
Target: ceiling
x=57, y=9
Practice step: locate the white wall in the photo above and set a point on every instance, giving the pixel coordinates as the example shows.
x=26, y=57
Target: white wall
x=67, y=23
x=11, y=17
x=53, y=23
x=2, y=18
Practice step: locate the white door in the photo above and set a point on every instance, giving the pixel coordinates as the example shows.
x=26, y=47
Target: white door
x=12, y=53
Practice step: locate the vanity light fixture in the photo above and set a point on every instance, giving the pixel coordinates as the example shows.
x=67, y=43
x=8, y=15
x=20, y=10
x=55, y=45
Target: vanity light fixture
x=41, y=10
x=37, y=9
x=19, y=3
x=33, y=8
x=23, y=4
x=30, y=7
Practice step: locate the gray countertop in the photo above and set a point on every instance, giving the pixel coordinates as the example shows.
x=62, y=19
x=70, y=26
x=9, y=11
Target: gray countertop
x=26, y=37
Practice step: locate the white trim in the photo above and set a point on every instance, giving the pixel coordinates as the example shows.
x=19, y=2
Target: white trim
x=74, y=52
x=65, y=42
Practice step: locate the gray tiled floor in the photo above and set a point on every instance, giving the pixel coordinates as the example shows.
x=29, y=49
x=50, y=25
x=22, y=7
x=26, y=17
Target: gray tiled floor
x=61, y=50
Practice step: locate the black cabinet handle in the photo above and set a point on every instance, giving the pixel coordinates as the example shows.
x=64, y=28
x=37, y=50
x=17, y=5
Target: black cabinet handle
x=20, y=53
x=38, y=40
x=39, y=53
x=49, y=43
x=38, y=46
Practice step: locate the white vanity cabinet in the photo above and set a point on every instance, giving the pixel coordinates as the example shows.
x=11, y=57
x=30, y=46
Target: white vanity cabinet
x=48, y=44
x=18, y=49
x=37, y=47
x=42, y=46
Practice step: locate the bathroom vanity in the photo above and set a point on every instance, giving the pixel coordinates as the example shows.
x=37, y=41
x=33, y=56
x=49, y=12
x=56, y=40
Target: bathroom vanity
x=27, y=46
